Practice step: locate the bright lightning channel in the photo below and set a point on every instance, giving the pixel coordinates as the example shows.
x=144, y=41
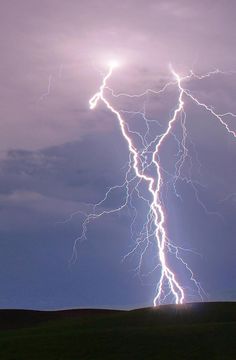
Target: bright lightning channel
x=138, y=172
x=153, y=187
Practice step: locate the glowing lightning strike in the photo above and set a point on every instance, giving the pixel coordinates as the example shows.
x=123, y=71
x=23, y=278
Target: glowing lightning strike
x=153, y=187
x=145, y=168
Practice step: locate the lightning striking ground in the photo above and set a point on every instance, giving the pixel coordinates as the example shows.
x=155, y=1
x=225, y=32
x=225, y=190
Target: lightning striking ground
x=145, y=168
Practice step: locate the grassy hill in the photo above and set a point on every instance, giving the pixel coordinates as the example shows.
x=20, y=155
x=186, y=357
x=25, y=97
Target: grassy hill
x=192, y=331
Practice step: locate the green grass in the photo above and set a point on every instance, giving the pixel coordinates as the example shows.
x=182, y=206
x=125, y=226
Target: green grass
x=167, y=333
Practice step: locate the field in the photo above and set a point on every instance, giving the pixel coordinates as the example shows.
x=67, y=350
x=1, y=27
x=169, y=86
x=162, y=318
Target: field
x=191, y=331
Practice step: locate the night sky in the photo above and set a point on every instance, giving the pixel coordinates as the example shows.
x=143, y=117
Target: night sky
x=57, y=156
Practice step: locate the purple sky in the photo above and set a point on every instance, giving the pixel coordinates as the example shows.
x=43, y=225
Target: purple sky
x=56, y=155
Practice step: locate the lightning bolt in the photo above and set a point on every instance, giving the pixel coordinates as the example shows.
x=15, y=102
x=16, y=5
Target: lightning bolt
x=47, y=93
x=145, y=167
